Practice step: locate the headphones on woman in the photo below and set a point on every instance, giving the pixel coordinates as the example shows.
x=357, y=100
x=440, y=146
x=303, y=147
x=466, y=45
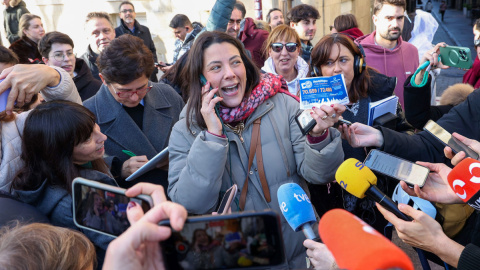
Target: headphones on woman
x=359, y=63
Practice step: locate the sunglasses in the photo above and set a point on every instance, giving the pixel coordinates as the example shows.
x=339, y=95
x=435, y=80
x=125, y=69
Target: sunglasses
x=476, y=42
x=278, y=47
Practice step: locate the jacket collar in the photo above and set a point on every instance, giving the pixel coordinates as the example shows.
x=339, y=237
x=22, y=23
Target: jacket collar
x=109, y=108
x=136, y=26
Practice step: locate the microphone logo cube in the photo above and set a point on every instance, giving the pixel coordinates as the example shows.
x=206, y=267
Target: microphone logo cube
x=464, y=180
x=295, y=205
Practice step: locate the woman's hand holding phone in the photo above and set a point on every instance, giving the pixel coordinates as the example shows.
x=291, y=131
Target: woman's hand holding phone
x=325, y=116
x=456, y=158
x=209, y=100
x=138, y=248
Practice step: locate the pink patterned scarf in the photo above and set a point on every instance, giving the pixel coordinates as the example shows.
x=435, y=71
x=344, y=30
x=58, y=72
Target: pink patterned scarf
x=269, y=86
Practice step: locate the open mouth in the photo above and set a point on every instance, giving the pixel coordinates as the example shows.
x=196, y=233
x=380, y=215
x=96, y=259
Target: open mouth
x=100, y=149
x=230, y=90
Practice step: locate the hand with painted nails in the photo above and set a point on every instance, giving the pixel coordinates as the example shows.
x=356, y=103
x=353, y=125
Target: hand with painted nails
x=209, y=100
x=325, y=116
x=138, y=247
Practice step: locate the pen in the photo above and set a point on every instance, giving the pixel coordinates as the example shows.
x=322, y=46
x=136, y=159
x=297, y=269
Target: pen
x=131, y=154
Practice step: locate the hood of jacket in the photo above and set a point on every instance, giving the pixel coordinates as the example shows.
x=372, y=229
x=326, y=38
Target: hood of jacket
x=302, y=69
x=368, y=41
x=47, y=197
x=354, y=33
x=16, y=3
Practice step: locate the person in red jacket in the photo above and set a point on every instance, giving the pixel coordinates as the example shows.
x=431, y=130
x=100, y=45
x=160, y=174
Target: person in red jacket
x=472, y=76
x=245, y=30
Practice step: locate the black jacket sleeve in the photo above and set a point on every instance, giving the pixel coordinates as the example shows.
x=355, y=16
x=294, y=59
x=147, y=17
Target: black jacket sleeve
x=463, y=119
x=417, y=104
x=470, y=258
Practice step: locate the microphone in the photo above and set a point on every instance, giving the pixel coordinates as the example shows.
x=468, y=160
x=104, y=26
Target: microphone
x=464, y=179
x=358, y=180
x=297, y=209
x=356, y=245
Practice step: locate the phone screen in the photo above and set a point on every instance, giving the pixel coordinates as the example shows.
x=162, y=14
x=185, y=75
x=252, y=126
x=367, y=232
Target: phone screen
x=248, y=240
x=397, y=168
x=447, y=139
x=102, y=210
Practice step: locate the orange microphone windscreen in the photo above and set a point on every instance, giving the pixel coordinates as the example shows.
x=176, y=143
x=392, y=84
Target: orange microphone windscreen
x=356, y=245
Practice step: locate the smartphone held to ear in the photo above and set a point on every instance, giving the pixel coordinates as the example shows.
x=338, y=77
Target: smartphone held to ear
x=103, y=208
x=240, y=240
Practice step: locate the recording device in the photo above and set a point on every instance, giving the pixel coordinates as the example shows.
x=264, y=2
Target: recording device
x=103, y=208
x=459, y=57
x=305, y=121
x=464, y=179
x=358, y=180
x=247, y=240
x=395, y=167
x=356, y=245
x=227, y=199
x=448, y=140
x=297, y=209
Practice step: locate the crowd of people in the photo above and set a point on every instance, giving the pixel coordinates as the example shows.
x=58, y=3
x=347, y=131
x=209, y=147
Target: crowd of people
x=225, y=107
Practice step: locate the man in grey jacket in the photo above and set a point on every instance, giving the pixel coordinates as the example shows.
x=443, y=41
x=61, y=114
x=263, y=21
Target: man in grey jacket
x=134, y=113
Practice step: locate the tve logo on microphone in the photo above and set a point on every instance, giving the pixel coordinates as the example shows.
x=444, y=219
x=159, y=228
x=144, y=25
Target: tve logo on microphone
x=295, y=205
x=464, y=179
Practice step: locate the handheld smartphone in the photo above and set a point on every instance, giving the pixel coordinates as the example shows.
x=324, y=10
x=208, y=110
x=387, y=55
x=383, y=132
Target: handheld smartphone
x=103, y=208
x=448, y=140
x=247, y=240
x=459, y=57
x=397, y=168
x=305, y=121
x=227, y=199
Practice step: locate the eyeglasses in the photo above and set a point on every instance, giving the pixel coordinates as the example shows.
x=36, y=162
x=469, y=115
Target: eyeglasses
x=290, y=46
x=129, y=93
x=60, y=56
x=127, y=10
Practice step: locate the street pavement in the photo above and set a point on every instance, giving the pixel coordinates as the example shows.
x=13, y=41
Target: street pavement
x=455, y=30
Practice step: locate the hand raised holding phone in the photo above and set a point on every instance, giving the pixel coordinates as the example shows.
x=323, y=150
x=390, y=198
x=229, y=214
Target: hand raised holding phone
x=209, y=101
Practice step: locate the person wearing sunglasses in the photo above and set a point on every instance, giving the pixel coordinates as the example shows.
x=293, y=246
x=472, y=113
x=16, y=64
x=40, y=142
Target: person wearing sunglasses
x=337, y=54
x=57, y=50
x=135, y=114
x=283, y=49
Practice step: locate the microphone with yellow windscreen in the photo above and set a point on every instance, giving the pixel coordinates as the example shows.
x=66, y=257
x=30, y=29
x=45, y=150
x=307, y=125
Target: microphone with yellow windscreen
x=358, y=180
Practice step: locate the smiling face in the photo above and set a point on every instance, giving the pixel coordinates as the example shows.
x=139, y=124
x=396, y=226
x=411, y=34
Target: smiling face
x=63, y=52
x=306, y=29
x=127, y=14
x=233, y=26
x=284, y=60
x=223, y=68
x=35, y=31
x=339, y=62
x=100, y=33
x=389, y=22
x=91, y=149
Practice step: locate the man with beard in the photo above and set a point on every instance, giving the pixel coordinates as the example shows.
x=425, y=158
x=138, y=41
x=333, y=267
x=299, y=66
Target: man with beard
x=385, y=49
x=129, y=25
x=303, y=18
x=275, y=17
